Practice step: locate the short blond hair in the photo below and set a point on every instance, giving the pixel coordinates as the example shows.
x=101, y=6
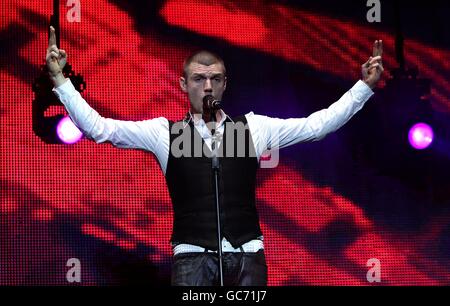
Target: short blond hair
x=203, y=57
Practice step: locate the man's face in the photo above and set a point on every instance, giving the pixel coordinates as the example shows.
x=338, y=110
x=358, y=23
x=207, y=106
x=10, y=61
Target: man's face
x=201, y=81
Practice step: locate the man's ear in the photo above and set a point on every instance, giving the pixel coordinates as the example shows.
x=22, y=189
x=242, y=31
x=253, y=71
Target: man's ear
x=225, y=83
x=183, y=84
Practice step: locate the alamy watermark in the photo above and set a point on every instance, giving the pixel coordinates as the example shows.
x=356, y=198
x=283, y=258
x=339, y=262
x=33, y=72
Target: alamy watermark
x=374, y=13
x=74, y=13
x=73, y=275
x=234, y=144
x=374, y=273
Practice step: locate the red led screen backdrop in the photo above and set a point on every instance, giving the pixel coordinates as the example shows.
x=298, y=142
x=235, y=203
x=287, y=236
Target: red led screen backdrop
x=330, y=211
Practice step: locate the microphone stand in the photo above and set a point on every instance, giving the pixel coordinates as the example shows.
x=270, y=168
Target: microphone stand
x=215, y=168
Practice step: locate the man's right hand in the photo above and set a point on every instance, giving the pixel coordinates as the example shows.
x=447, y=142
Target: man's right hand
x=56, y=60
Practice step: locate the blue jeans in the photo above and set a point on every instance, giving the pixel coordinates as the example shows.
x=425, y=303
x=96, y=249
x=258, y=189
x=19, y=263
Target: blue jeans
x=201, y=269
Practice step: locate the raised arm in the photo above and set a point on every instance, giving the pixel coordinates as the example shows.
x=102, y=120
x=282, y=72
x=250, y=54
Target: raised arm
x=56, y=60
x=144, y=134
x=279, y=133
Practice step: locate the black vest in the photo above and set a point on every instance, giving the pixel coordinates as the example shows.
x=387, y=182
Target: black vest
x=190, y=184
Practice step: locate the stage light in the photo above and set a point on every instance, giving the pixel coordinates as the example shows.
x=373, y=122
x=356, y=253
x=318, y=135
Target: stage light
x=67, y=131
x=420, y=136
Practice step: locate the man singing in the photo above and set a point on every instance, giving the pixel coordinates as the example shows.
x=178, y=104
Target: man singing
x=189, y=176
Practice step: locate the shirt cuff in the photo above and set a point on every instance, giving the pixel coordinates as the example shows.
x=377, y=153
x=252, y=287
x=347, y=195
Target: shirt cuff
x=64, y=89
x=361, y=91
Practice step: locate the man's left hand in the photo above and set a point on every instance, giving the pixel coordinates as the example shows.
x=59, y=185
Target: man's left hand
x=373, y=68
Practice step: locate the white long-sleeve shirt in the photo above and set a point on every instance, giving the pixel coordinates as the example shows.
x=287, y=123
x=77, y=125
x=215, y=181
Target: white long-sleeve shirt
x=153, y=134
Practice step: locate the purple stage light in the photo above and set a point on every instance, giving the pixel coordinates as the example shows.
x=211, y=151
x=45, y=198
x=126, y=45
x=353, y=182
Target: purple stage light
x=420, y=136
x=67, y=131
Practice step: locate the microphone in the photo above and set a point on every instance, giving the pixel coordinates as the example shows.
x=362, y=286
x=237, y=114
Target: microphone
x=209, y=102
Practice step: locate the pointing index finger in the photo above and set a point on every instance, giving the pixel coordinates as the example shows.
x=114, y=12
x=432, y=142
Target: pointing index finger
x=52, y=38
x=377, y=48
x=380, y=47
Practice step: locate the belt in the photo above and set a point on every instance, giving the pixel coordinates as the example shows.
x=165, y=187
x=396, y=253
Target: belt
x=251, y=246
